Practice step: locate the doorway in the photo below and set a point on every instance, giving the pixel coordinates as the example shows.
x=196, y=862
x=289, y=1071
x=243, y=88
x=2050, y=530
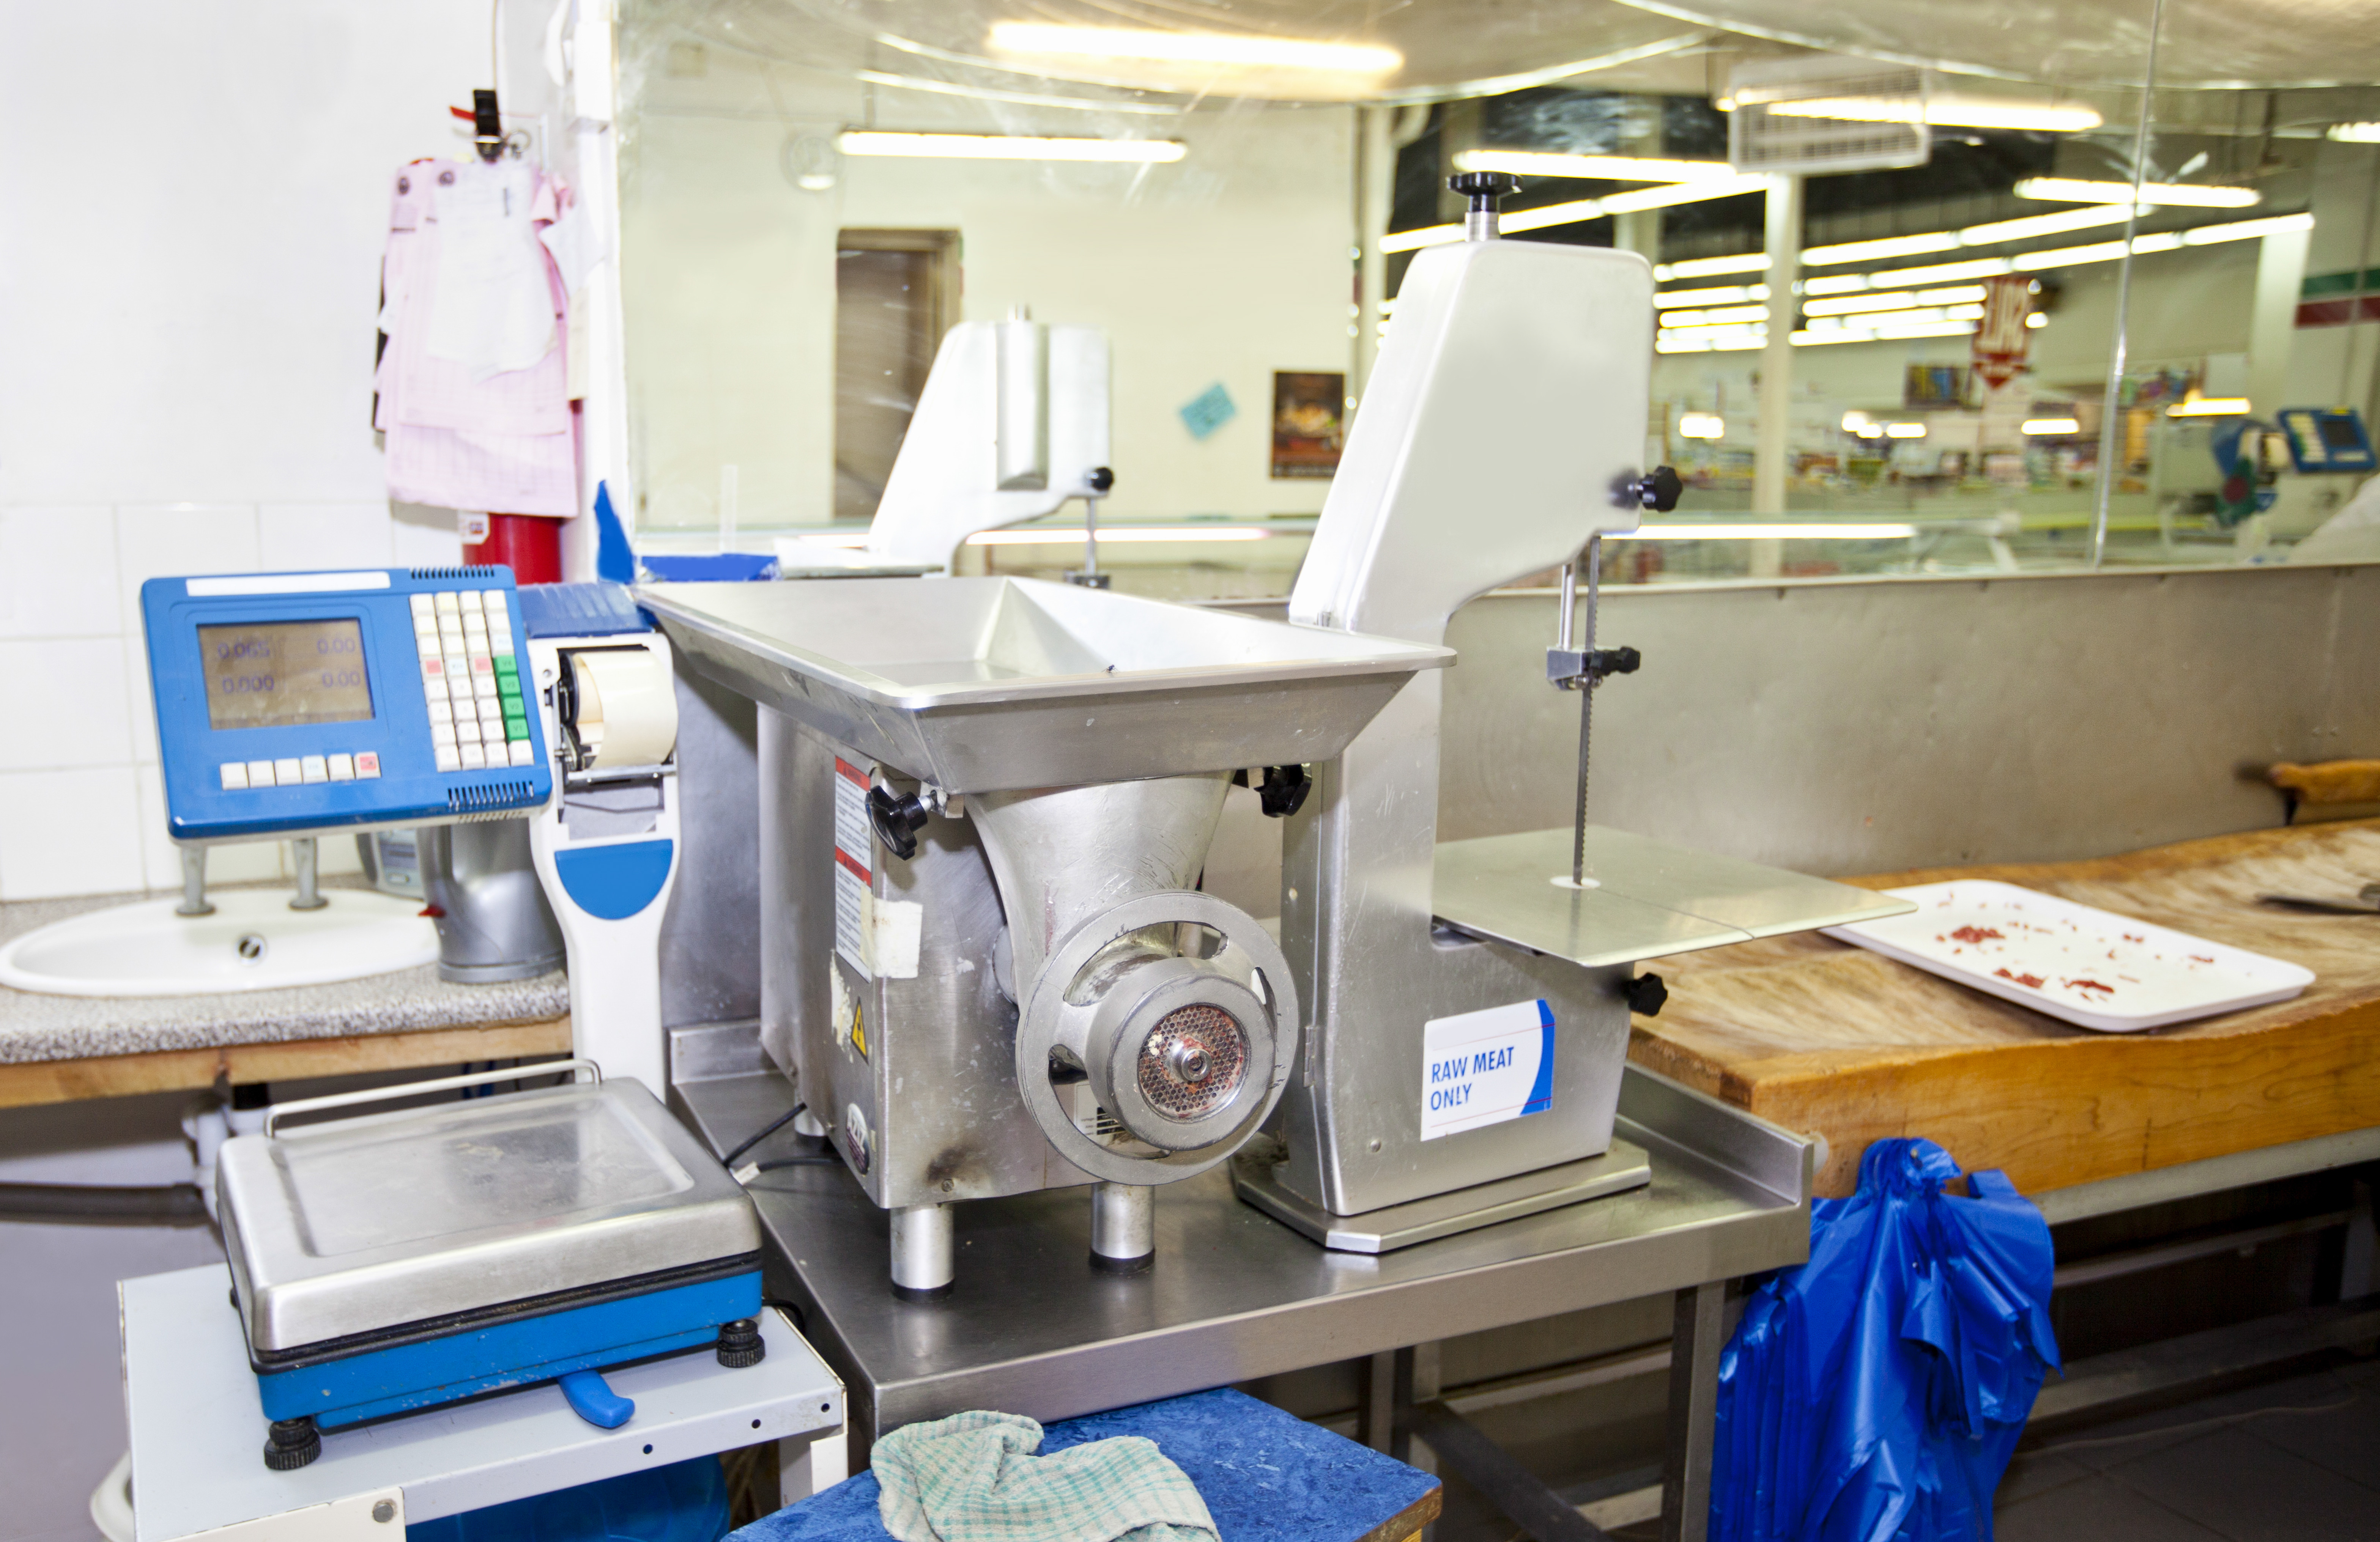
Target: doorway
x=895, y=293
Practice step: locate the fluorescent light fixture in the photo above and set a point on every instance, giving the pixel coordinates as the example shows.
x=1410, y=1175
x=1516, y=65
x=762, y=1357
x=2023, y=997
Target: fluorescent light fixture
x=1582, y=209
x=1701, y=425
x=1765, y=530
x=1991, y=235
x=2245, y=230
x=1904, y=430
x=1942, y=273
x=2036, y=321
x=2052, y=425
x=1677, y=192
x=1999, y=231
x=1725, y=315
x=2209, y=407
x=1857, y=422
x=1111, y=535
x=2178, y=195
x=1949, y=112
x=1245, y=50
x=2354, y=133
x=1711, y=267
x=1681, y=299
x=1899, y=299
x=1610, y=168
x=1005, y=147
x=1890, y=246
x=1023, y=99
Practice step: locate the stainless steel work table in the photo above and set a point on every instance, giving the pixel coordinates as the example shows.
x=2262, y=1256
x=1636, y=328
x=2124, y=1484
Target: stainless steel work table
x=1032, y=1329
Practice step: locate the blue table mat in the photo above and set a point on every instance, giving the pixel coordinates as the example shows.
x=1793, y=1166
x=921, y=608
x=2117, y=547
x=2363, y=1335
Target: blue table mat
x=1266, y=1476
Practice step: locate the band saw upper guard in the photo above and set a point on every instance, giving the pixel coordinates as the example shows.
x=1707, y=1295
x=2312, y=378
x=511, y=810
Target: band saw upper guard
x=1403, y=943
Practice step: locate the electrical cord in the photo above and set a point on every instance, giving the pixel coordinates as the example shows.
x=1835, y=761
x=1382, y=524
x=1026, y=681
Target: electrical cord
x=765, y=1132
x=820, y=1158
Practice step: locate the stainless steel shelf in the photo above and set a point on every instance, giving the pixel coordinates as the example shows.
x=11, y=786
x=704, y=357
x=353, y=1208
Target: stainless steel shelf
x=1235, y=1295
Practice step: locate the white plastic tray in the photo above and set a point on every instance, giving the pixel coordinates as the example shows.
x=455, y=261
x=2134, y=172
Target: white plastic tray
x=2091, y=969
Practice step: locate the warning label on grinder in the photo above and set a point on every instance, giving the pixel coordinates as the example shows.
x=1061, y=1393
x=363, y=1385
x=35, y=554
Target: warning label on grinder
x=854, y=851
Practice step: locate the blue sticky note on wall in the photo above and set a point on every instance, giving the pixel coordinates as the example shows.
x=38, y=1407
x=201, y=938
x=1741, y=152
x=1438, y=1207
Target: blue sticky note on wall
x=1208, y=410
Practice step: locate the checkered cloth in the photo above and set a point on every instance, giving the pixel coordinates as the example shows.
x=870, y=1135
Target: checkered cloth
x=973, y=1478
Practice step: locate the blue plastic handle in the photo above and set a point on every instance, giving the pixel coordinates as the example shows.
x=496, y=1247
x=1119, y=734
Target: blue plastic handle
x=592, y=1399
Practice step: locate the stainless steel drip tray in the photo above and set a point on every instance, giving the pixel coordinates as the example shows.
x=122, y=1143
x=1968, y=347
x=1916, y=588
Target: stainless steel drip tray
x=1649, y=899
x=366, y=1224
x=984, y=685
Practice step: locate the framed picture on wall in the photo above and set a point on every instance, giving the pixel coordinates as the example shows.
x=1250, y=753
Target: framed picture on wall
x=1309, y=422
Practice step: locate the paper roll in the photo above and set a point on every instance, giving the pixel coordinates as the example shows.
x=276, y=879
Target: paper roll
x=627, y=706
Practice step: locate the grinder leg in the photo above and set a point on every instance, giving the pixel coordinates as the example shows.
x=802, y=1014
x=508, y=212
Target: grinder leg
x=923, y=1254
x=1123, y=1227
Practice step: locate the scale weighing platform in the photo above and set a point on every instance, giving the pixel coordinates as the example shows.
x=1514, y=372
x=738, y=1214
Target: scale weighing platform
x=384, y=698
x=191, y=1408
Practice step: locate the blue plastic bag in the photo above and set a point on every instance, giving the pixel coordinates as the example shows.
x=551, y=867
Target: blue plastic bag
x=1877, y=1393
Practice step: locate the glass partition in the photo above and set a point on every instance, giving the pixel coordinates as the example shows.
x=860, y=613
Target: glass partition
x=1923, y=307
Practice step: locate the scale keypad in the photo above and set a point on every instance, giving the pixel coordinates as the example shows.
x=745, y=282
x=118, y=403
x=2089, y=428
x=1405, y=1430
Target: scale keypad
x=470, y=677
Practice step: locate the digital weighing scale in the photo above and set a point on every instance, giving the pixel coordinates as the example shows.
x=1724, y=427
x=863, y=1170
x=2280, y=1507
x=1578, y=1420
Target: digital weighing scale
x=381, y=698
x=399, y=1260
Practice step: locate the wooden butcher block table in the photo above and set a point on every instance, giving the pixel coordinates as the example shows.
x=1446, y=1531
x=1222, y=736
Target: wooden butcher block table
x=1829, y=1039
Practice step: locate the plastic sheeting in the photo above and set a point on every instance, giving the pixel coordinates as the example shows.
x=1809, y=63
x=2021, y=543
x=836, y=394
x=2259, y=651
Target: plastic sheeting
x=1875, y=1393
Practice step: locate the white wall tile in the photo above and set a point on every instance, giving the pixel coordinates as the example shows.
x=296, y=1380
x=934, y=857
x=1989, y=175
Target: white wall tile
x=425, y=537
x=161, y=859
x=164, y=541
x=61, y=704
x=68, y=833
x=58, y=572
x=296, y=538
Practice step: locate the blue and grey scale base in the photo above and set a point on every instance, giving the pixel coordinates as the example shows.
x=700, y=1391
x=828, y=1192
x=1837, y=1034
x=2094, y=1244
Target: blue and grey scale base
x=568, y=1338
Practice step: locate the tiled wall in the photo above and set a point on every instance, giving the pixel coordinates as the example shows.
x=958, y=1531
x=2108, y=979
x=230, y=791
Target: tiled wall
x=188, y=300
x=81, y=808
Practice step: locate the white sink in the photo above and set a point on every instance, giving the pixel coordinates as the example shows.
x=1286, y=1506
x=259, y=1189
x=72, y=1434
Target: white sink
x=253, y=941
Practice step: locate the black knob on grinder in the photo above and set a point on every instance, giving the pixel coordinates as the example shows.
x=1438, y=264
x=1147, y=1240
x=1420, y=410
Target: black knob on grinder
x=1484, y=187
x=1660, y=488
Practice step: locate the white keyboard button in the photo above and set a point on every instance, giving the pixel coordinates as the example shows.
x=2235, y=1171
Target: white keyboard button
x=234, y=775
x=484, y=684
x=519, y=751
x=368, y=765
x=423, y=605
x=474, y=758
x=443, y=734
x=260, y=774
x=441, y=709
x=449, y=760
x=343, y=767
x=313, y=768
x=426, y=644
x=450, y=602
x=288, y=771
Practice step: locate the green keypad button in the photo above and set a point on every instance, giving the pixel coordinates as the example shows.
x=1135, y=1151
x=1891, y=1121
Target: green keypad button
x=516, y=726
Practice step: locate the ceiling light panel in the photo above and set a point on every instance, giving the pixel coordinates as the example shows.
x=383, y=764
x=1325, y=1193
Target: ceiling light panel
x=2178, y=195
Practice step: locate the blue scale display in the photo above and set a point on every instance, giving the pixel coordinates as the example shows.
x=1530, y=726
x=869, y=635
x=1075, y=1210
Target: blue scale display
x=298, y=701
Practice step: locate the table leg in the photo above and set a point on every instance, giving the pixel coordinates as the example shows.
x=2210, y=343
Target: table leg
x=1695, y=1340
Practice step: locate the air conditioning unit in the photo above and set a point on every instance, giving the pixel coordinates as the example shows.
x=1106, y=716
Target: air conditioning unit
x=1814, y=115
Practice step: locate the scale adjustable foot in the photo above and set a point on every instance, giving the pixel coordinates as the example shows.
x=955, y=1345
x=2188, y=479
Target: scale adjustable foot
x=291, y=1444
x=740, y=1344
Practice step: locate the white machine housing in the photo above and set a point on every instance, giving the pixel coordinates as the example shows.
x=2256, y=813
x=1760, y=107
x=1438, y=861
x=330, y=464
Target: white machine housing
x=1013, y=422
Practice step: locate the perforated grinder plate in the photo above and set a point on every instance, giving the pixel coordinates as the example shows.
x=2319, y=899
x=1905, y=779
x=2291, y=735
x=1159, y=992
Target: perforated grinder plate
x=1201, y=1027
